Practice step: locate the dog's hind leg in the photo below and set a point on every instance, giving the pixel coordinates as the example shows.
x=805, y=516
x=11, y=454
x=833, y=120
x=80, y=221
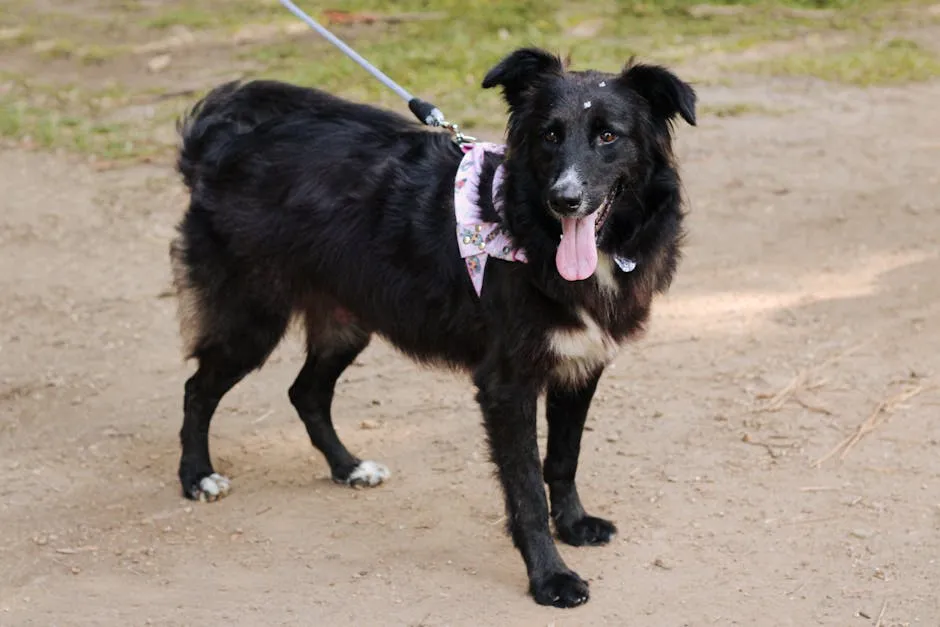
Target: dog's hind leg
x=230, y=326
x=566, y=411
x=222, y=364
x=334, y=340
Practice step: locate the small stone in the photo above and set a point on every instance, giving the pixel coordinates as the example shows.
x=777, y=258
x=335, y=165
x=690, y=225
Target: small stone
x=44, y=46
x=76, y=570
x=370, y=425
x=9, y=34
x=714, y=10
x=862, y=534
x=587, y=28
x=159, y=63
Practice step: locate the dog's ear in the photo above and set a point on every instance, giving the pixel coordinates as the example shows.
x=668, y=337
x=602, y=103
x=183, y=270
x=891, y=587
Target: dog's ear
x=520, y=70
x=666, y=93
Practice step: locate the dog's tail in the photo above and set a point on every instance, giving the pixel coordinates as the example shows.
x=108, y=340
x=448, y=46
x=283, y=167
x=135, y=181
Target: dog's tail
x=233, y=109
x=209, y=125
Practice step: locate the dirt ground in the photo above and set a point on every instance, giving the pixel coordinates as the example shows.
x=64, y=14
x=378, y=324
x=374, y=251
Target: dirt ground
x=807, y=307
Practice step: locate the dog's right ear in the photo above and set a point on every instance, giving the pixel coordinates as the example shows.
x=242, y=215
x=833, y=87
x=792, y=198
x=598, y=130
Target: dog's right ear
x=518, y=71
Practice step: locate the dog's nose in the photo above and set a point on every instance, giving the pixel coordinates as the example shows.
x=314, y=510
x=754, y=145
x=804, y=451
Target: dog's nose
x=567, y=192
x=568, y=200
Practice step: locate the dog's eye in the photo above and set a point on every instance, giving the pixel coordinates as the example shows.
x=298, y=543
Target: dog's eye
x=550, y=136
x=607, y=137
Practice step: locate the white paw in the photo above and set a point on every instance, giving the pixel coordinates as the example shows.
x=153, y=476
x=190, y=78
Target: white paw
x=213, y=487
x=368, y=473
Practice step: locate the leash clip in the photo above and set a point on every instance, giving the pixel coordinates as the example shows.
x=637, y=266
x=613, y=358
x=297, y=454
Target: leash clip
x=459, y=138
x=432, y=116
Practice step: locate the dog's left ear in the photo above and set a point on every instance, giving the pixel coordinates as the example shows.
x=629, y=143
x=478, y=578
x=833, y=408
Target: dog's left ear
x=666, y=93
x=520, y=70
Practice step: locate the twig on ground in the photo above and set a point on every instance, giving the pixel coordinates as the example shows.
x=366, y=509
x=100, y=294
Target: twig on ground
x=263, y=417
x=819, y=409
x=80, y=549
x=877, y=418
x=881, y=615
x=774, y=454
x=802, y=381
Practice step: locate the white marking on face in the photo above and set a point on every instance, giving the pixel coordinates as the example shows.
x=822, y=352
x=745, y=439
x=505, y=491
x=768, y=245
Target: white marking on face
x=587, y=105
x=570, y=179
x=368, y=474
x=602, y=84
x=213, y=487
x=581, y=352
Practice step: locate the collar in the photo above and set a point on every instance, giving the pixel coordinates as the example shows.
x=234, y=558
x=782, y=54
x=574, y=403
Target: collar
x=478, y=239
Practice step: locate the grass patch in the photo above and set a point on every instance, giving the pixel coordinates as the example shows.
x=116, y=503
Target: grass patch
x=896, y=61
x=15, y=36
x=193, y=18
x=211, y=15
x=69, y=120
x=444, y=60
x=64, y=49
x=739, y=109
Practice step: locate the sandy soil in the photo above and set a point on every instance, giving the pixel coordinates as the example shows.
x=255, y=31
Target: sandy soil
x=809, y=296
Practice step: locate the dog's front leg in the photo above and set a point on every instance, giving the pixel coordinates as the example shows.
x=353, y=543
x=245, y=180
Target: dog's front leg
x=509, y=414
x=567, y=410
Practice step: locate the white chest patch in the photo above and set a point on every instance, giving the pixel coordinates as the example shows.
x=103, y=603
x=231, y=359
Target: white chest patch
x=581, y=352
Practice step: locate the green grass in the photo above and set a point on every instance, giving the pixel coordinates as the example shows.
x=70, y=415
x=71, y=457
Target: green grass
x=201, y=16
x=738, y=109
x=12, y=37
x=87, y=54
x=896, y=61
x=70, y=120
x=442, y=59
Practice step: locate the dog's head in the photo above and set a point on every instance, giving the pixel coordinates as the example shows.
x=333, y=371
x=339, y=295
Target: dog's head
x=585, y=136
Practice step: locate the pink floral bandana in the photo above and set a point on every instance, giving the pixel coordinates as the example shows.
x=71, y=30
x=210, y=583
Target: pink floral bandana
x=476, y=238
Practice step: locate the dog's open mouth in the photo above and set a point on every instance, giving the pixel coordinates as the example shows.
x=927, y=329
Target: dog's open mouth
x=604, y=210
x=576, y=257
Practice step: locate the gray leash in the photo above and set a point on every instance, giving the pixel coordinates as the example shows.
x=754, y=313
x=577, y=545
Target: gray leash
x=423, y=110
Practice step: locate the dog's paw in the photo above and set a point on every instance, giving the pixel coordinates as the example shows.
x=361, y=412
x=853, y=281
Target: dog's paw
x=564, y=589
x=367, y=474
x=209, y=488
x=587, y=531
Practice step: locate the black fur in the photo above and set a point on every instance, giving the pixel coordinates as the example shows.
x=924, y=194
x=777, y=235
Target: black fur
x=306, y=204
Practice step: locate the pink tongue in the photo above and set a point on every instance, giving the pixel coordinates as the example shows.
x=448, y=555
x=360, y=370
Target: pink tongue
x=577, y=252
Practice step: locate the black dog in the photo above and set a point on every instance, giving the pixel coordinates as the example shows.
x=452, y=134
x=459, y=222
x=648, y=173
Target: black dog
x=305, y=204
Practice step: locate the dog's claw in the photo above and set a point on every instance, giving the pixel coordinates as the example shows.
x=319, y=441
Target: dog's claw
x=210, y=489
x=562, y=590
